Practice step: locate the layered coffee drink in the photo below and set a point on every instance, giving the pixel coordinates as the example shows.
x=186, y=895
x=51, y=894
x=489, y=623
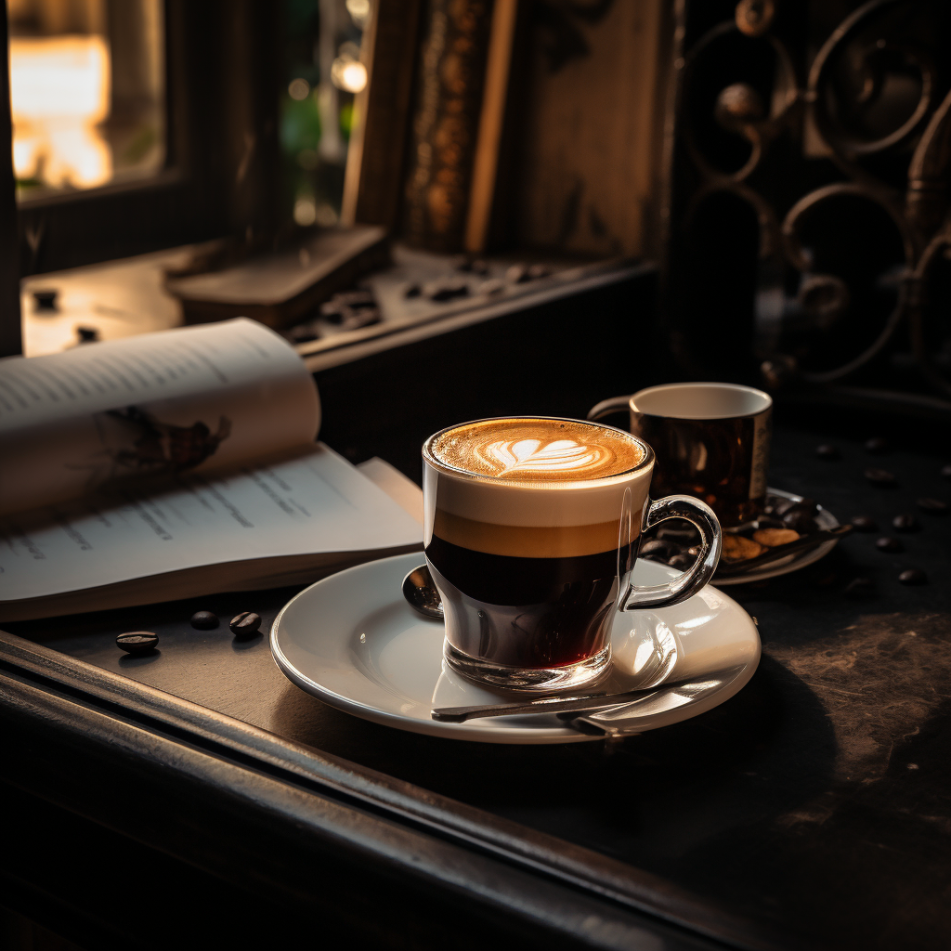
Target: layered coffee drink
x=531, y=533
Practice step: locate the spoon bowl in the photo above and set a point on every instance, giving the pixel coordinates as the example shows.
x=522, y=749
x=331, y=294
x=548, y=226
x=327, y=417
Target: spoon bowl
x=420, y=591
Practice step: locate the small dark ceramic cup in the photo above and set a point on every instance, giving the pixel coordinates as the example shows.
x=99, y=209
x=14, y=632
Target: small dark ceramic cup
x=711, y=441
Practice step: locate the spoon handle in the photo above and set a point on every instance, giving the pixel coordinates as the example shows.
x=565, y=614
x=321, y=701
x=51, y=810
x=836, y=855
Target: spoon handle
x=539, y=705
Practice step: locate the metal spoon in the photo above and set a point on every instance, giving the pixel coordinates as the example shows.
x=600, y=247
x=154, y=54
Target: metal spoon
x=420, y=591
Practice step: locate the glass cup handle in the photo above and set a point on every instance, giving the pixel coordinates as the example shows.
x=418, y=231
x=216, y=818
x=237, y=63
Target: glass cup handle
x=690, y=582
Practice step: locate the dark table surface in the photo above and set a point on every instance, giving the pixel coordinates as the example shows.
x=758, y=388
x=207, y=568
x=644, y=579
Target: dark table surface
x=815, y=806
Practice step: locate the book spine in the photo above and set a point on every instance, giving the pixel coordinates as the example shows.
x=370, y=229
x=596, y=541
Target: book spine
x=446, y=123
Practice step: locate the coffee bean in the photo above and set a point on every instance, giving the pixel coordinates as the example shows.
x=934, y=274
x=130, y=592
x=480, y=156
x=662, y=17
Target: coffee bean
x=682, y=561
x=204, y=620
x=448, y=291
x=933, y=506
x=517, y=274
x=137, y=642
x=411, y=291
x=877, y=445
x=913, y=576
x=881, y=478
x=655, y=548
x=800, y=522
x=889, y=544
x=859, y=588
x=537, y=271
x=862, y=523
x=905, y=523
x=491, y=287
x=946, y=471
x=245, y=624
x=303, y=334
x=827, y=452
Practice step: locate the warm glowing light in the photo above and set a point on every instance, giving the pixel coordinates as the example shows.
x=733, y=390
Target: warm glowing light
x=59, y=92
x=305, y=212
x=359, y=11
x=348, y=74
x=299, y=89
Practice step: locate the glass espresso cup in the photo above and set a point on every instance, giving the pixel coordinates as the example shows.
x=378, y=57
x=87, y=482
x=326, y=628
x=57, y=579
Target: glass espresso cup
x=531, y=531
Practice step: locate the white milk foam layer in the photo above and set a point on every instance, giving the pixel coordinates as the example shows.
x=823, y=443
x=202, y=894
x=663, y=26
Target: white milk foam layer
x=535, y=504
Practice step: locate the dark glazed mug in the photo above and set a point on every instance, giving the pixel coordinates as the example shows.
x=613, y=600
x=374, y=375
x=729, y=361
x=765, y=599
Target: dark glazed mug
x=711, y=441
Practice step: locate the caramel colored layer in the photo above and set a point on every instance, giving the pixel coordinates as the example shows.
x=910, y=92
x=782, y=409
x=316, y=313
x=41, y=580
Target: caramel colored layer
x=531, y=541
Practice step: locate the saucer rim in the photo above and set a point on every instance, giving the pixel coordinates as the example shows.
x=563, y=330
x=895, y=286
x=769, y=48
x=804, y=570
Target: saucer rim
x=504, y=731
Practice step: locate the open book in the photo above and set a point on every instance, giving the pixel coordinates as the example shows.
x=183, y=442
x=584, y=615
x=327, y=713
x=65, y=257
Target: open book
x=172, y=465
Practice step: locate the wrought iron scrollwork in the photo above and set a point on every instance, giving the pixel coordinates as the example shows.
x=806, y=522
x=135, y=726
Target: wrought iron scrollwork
x=819, y=134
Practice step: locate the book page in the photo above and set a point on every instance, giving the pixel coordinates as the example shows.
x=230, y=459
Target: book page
x=310, y=503
x=192, y=399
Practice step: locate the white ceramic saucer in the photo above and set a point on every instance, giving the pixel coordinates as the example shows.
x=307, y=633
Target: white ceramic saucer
x=824, y=519
x=352, y=641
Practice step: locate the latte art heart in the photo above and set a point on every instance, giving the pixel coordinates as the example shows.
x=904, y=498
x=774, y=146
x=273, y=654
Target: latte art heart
x=535, y=450
x=535, y=455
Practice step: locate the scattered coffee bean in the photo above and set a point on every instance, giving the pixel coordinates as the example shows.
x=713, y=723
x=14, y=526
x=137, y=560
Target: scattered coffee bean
x=933, y=506
x=137, y=642
x=440, y=293
x=862, y=523
x=245, y=624
x=946, y=471
x=302, y=334
x=859, y=588
x=681, y=561
x=491, y=287
x=877, y=445
x=828, y=452
x=87, y=334
x=905, y=523
x=517, y=274
x=45, y=299
x=411, y=291
x=913, y=576
x=204, y=620
x=538, y=271
x=889, y=544
x=655, y=548
x=881, y=478
x=800, y=522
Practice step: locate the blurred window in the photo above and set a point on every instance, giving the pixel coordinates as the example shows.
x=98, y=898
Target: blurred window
x=323, y=74
x=87, y=82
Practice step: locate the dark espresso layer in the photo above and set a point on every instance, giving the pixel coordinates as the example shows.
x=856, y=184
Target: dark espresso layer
x=504, y=579
x=527, y=612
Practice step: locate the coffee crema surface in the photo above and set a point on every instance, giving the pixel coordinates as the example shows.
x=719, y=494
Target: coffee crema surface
x=537, y=450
